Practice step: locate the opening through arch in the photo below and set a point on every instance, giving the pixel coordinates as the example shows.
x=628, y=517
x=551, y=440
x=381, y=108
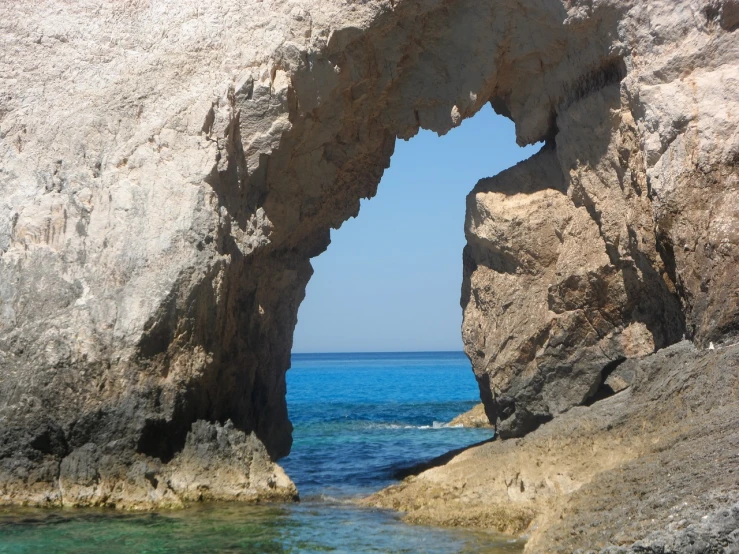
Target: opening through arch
x=378, y=370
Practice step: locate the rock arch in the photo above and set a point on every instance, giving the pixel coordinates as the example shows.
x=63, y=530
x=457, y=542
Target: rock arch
x=169, y=172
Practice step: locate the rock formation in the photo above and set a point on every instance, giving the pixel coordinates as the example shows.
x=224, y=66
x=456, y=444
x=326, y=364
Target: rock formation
x=167, y=172
x=584, y=255
x=476, y=417
x=651, y=470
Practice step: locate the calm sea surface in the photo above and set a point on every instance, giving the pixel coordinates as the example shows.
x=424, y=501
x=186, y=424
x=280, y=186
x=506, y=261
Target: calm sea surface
x=359, y=419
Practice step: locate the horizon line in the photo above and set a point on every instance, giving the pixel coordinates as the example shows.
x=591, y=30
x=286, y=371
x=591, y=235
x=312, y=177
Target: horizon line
x=385, y=352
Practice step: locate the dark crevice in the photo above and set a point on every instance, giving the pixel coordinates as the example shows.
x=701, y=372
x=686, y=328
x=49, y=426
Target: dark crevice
x=51, y=441
x=610, y=72
x=522, y=422
x=603, y=390
x=162, y=439
x=157, y=336
x=487, y=398
x=151, y=477
x=666, y=251
x=469, y=266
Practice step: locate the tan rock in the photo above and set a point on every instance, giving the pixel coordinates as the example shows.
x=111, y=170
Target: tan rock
x=476, y=417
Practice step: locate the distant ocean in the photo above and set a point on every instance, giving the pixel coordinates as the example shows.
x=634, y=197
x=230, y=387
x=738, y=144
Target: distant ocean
x=360, y=419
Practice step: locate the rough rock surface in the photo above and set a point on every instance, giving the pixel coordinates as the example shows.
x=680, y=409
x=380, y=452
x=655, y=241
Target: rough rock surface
x=652, y=469
x=168, y=170
x=217, y=462
x=476, y=417
x=621, y=236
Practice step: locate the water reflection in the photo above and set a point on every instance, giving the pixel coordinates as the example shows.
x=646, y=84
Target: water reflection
x=301, y=528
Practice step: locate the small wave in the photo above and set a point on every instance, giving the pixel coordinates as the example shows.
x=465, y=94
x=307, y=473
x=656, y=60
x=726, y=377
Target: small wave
x=434, y=425
x=439, y=425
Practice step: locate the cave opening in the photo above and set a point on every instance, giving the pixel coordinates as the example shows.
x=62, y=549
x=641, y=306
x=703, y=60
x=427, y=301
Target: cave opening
x=378, y=370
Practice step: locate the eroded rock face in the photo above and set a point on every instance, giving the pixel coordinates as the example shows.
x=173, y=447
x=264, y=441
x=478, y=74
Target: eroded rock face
x=560, y=287
x=168, y=172
x=217, y=462
x=583, y=255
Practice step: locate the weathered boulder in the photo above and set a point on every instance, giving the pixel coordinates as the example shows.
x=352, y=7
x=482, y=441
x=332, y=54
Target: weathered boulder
x=476, y=417
x=167, y=172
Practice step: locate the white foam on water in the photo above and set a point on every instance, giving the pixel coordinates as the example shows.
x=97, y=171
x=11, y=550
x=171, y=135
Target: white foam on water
x=434, y=425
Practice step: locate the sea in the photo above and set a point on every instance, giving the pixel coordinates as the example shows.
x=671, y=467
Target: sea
x=361, y=421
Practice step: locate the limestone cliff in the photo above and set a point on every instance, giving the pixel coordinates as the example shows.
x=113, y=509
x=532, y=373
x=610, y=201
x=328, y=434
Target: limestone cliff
x=620, y=236
x=167, y=172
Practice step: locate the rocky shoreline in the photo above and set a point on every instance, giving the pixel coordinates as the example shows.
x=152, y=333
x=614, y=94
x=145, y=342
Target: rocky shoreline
x=217, y=463
x=652, y=469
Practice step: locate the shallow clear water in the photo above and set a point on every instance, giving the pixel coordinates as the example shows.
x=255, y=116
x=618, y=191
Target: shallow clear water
x=359, y=419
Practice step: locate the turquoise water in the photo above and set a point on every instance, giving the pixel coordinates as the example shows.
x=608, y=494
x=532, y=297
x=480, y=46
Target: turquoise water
x=359, y=419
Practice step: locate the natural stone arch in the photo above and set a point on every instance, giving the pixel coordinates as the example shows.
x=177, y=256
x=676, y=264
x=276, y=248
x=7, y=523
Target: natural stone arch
x=155, y=249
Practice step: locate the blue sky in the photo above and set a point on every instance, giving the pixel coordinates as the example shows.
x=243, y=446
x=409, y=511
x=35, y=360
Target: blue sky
x=391, y=278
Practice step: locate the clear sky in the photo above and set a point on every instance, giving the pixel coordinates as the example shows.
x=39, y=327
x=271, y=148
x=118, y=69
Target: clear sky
x=391, y=278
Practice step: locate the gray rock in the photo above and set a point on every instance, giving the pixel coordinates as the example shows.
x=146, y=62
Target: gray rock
x=713, y=533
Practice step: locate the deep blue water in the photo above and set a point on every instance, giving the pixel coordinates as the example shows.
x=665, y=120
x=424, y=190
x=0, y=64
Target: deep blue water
x=358, y=418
